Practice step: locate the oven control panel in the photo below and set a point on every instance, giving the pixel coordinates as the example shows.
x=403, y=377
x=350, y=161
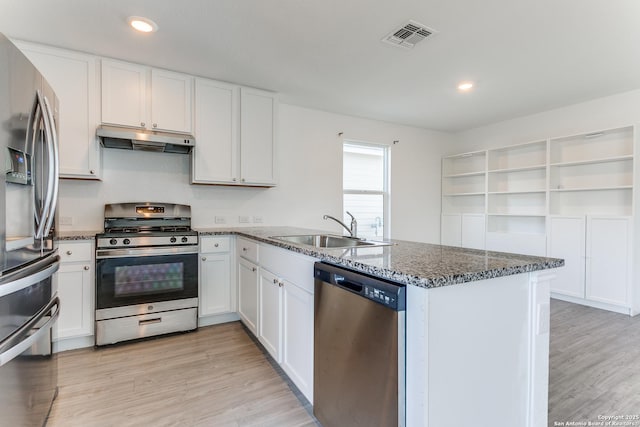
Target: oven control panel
x=140, y=241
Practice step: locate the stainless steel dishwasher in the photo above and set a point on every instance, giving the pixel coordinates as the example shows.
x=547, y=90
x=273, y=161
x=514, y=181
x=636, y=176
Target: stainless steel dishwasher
x=359, y=349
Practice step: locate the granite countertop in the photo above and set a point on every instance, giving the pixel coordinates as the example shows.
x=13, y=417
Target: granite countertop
x=77, y=235
x=419, y=264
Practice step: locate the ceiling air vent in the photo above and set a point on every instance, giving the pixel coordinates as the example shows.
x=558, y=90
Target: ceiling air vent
x=408, y=35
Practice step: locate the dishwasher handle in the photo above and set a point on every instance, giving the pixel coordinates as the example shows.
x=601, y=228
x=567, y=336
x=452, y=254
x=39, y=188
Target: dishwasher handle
x=344, y=283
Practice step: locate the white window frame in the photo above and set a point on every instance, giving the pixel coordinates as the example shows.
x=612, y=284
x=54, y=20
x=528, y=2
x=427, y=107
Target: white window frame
x=386, y=190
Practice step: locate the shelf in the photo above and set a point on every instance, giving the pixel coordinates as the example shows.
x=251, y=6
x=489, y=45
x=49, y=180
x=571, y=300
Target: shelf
x=518, y=215
x=518, y=157
x=469, y=164
x=518, y=192
x=463, y=194
x=592, y=147
x=602, y=201
x=459, y=175
x=567, y=190
x=593, y=161
x=510, y=225
x=519, y=169
x=515, y=233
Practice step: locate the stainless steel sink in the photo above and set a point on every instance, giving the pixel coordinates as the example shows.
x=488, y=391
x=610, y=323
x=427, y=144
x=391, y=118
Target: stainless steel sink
x=328, y=241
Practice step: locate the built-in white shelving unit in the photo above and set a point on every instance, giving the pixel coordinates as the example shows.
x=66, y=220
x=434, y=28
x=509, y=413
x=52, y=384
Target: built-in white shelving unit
x=570, y=197
x=464, y=183
x=592, y=173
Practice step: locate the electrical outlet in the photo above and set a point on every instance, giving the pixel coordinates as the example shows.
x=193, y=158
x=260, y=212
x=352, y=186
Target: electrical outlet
x=243, y=219
x=220, y=220
x=66, y=220
x=257, y=219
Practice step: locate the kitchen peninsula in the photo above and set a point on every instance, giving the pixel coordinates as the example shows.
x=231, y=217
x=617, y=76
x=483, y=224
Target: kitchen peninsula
x=477, y=322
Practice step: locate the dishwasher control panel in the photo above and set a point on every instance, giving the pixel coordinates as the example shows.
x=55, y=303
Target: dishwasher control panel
x=384, y=297
x=389, y=294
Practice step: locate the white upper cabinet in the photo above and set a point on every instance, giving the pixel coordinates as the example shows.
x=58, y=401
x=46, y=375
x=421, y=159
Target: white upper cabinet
x=138, y=96
x=215, y=156
x=257, y=137
x=235, y=135
x=171, y=101
x=124, y=94
x=73, y=77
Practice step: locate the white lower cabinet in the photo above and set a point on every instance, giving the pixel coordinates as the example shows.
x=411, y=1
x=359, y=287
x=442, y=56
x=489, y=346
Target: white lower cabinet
x=608, y=260
x=567, y=241
x=270, y=313
x=297, y=325
x=464, y=230
x=248, y=294
x=217, y=290
x=597, y=254
x=74, y=284
x=280, y=290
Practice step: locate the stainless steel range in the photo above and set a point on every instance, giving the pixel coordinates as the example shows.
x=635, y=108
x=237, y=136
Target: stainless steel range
x=146, y=272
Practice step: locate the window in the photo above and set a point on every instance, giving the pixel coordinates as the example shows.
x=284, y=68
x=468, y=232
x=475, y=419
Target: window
x=366, y=187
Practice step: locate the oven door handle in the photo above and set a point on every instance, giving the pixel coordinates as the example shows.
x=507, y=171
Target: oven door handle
x=137, y=252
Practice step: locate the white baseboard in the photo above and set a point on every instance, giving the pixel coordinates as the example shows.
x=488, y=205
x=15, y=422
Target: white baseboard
x=217, y=318
x=73, y=343
x=594, y=304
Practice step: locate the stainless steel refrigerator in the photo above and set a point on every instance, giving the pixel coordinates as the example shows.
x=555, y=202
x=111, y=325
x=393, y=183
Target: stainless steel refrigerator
x=28, y=255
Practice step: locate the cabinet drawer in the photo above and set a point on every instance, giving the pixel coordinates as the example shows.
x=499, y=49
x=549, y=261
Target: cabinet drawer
x=214, y=244
x=247, y=249
x=288, y=265
x=76, y=251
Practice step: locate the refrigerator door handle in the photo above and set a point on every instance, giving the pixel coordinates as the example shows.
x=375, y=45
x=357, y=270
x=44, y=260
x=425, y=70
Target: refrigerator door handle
x=33, y=128
x=16, y=343
x=54, y=164
x=30, y=280
x=48, y=199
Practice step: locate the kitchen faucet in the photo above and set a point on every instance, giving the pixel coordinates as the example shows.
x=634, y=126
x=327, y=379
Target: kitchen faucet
x=353, y=231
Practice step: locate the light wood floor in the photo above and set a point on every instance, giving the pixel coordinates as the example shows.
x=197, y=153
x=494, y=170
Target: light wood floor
x=594, y=364
x=216, y=376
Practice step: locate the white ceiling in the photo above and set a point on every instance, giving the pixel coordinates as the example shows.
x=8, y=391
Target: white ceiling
x=525, y=56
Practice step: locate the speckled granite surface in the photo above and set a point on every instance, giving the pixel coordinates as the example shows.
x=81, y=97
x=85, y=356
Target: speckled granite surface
x=411, y=263
x=78, y=235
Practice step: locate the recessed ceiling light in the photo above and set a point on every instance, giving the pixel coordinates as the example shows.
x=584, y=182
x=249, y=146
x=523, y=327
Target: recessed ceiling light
x=144, y=25
x=465, y=86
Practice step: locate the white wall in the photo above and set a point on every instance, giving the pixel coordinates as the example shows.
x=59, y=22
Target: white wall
x=598, y=114
x=309, y=166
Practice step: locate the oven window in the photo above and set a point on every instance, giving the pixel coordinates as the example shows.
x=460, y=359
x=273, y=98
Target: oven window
x=134, y=280
x=146, y=279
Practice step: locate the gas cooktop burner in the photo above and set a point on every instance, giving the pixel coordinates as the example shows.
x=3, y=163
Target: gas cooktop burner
x=146, y=225
x=175, y=228
x=122, y=230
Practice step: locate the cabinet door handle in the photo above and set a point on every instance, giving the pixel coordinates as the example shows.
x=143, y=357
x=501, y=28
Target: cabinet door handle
x=280, y=283
x=92, y=172
x=216, y=245
x=234, y=179
x=204, y=258
x=244, y=249
x=86, y=267
x=143, y=124
x=242, y=180
x=69, y=253
x=253, y=269
x=155, y=125
x=275, y=281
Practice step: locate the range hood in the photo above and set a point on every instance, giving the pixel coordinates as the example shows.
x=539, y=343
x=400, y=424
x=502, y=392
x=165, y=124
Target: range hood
x=146, y=140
